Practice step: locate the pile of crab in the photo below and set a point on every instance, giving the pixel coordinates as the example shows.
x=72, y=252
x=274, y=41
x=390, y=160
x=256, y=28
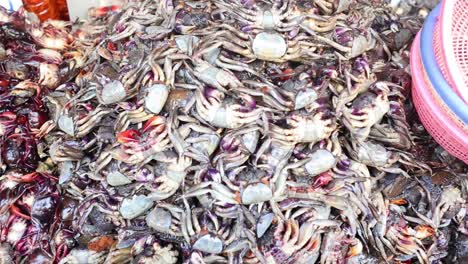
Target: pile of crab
x=273, y=131
x=35, y=59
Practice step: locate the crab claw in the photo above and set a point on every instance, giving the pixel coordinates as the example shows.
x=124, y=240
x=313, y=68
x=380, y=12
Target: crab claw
x=130, y=135
x=322, y=179
x=355, y=249
x=424, y=231
x=154, y=122
x=30, y=177
x=399, y=202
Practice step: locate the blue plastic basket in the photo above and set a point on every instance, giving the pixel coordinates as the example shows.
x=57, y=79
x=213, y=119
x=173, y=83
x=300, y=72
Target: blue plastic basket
x=454, y=103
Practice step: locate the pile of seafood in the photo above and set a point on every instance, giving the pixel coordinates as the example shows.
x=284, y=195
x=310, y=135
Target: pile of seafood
x=35, y=58
x=219, y=131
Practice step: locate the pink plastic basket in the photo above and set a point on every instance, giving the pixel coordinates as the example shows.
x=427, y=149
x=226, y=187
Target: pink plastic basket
x=445, y=131
x=451, y=45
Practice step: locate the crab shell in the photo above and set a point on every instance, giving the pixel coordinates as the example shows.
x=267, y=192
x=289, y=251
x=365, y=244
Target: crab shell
x=112, y=92
x=269, y=46
x=209, y=244
x=264, y=223
x=159, y=219
x=135, y=206
x=321, y=161
x=116, y=178
x=256, y=193
x=66, y=124
x=156, y=97
x=305, y=98
x=373, y=154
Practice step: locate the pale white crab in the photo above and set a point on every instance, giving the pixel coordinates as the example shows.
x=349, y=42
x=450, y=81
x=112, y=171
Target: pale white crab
x=212, y=109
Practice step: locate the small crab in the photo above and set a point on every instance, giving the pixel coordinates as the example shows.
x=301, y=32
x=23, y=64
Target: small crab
x=140, y=148
x=408, y=244
x=131, y=114
x=169, y=182
x=367, y=110
x=391, y=136
x=376, y=155
x=269, y=46
x=15, y=226
x=256, y=19
x=214, y=109
x=49, y=75
x=450, y=198
x=252, y=193
x=7, y=123
x=161, y=255
x=237, y=147
x=218, y=78
x=51, y=34
x=84, y=118
x=304, y=128
x=191, y=138
x=167, y=219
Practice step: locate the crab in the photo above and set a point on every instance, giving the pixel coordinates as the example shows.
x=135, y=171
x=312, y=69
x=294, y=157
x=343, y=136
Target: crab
x=66, y=150
x=377, y=227
x=272, y=152
x=51, y=34
x=168, y=219
x=267, y=45
x=81, y=120
x=349, y=43
x=221, y=79
x=14, y=226
x=375, y=155
x=320, y=24
x=304, y=128
x=298, y=241
x=236, y=147
x=26, y=89
x=131, y=114
x=256, y=19
x=49, y=75
x=78, y=255
x=391, y=136
x=169, y=183
x=450, y=198
x=192, y=139
x=408, y=244
x=367, y=110
x=7, y=123
x=276, y=97
x=140, y=148
x=161, y=255
x=253, y=193
x=212, y=108
x=110, y=91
